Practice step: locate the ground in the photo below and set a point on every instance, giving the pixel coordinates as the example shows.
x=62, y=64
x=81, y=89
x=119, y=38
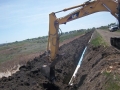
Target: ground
x=30, y=76
x=106, y=34
x=18, y=53
x=99, y=69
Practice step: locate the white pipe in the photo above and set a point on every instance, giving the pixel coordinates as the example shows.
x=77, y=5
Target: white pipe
x=78, y=66
x=74, y=74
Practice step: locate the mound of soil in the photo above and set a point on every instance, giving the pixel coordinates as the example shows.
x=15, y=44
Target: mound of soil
x=97, y=65
x=30, y=77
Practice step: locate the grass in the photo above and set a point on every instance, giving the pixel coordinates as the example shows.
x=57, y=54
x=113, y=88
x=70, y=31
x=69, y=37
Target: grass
x=112, y=86
x=16, y=50
x=70, y=35
x=113, y=81
x=98, y=40
x=11, y=51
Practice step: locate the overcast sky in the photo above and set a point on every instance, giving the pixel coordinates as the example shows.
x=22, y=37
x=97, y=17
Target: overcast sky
x=23, y=19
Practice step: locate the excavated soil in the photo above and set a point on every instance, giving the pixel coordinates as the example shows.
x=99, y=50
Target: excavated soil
x=98, y=63
x=90, y=75
x=30, y=77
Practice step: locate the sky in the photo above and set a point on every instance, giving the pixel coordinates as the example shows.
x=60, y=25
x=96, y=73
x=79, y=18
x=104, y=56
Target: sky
x=26, y=19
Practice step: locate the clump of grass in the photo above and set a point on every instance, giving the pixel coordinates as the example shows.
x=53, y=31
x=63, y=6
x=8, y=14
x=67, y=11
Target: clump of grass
x=107, y=74
x=113, y=81
x=98, y=40
x=112, y=86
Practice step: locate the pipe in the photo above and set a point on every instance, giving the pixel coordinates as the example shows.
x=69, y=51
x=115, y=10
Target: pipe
x=79, y=63
x=74, y=74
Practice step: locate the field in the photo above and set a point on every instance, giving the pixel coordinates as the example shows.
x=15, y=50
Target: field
x=23, y=51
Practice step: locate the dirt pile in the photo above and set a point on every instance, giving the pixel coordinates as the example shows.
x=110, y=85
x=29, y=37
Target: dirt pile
x=30, y=77
x=99, y=70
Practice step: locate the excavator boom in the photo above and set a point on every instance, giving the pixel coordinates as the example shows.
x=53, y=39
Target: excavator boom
x=84, y=9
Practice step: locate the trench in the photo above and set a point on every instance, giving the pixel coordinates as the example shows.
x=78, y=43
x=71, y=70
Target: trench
x=79, y=63
x=30, y=76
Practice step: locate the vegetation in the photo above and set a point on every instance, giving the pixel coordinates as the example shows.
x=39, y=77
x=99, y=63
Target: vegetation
x=106, y=26
x=31, y=47
x=103, y=27
x=113, y=81
x=72, y=34
x=98, y=40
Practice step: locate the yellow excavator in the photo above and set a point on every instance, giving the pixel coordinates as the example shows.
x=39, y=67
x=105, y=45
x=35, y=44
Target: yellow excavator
x=87, y=8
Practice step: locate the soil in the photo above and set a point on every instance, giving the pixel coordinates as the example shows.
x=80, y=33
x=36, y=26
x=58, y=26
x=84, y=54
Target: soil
x=9, y=65
x=96, y=62
x=30, y=77
x=69, y=40
x=89, y=77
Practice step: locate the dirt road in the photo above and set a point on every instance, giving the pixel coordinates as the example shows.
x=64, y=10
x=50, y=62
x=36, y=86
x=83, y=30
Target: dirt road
x=107, y=35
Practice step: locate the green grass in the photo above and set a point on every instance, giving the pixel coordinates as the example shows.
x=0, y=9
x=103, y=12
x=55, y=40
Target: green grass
x=107, y=74
x=113, y=81
x=98, y=40
x=112, y=86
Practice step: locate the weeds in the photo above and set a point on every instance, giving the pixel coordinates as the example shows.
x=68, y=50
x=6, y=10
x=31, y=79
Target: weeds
x=113, y=81
x=98, y=40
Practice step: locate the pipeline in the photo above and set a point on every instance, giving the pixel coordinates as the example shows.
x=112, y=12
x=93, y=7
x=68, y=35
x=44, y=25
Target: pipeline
x=79, y=63
x=78, y=66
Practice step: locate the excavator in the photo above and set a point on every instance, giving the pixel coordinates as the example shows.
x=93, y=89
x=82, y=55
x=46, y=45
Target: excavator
x=87, y=8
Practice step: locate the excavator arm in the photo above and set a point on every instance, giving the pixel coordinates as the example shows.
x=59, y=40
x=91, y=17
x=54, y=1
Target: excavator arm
x=83, y=10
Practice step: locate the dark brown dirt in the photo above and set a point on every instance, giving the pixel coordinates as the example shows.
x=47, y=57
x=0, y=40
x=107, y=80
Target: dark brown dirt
x=96, y=62
x=90, y=76
x=30, y=77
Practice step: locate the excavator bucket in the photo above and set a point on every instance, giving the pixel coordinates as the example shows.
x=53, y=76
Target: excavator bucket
x=49, y=72
x=115, y=41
